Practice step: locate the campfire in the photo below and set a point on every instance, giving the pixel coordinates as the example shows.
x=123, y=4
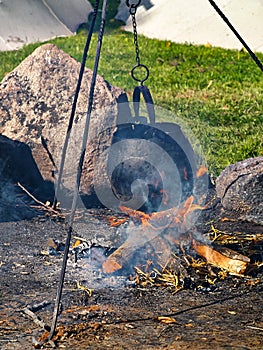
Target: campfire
x=166, y=249
x=166, y=229
x=159, y=228
x=161, y=247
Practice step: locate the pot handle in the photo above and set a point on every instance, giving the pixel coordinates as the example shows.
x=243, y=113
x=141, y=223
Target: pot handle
x=142, y=89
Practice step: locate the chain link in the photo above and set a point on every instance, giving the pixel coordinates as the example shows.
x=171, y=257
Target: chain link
x=135, y=39
x=132, y=9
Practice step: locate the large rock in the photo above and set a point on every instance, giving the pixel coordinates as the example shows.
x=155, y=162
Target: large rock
x=36, y=101
x=240, y=188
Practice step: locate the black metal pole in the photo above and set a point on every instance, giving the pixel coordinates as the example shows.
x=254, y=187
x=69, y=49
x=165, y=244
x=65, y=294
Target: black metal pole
x=74, y=104
x=79, y=172
x=221, y=14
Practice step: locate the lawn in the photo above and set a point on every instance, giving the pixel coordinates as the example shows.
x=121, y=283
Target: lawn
x=217, y=92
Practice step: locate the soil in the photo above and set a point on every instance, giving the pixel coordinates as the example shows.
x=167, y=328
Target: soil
x=117, y=313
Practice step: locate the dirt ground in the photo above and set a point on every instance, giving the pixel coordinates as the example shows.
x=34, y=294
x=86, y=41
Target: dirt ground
x=117, y=314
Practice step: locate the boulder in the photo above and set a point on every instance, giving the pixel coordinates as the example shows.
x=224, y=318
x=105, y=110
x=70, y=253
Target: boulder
x=36, y=102
x=240, y=189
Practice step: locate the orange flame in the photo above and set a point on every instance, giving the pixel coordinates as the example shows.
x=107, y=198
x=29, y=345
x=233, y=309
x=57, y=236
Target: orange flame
x=115, y=222
x=163, y=219
x=151, y=226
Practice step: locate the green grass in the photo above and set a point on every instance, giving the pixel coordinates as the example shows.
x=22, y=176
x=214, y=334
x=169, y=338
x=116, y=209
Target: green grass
x=217, y=92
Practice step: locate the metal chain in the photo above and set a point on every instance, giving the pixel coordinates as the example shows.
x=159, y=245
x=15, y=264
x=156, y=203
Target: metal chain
x=135, y=36
x=132, y=9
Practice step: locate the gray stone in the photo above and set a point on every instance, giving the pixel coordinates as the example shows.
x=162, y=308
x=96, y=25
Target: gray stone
x=36, y=101
x=240, y=188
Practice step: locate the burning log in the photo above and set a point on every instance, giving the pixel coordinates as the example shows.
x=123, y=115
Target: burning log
x=137, y=239
x=228, y=260
x=118, y=258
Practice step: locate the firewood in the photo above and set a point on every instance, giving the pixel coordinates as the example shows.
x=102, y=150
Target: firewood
x=137, y=238
x=233, y=263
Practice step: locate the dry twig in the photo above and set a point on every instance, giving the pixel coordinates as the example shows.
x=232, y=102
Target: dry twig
x=48, y=208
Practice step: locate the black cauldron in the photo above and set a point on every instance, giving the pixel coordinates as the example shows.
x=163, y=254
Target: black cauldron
x=155, y=165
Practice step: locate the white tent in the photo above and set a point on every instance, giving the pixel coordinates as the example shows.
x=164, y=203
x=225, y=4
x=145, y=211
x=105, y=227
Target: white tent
x=197, y=22
x=26, y=21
